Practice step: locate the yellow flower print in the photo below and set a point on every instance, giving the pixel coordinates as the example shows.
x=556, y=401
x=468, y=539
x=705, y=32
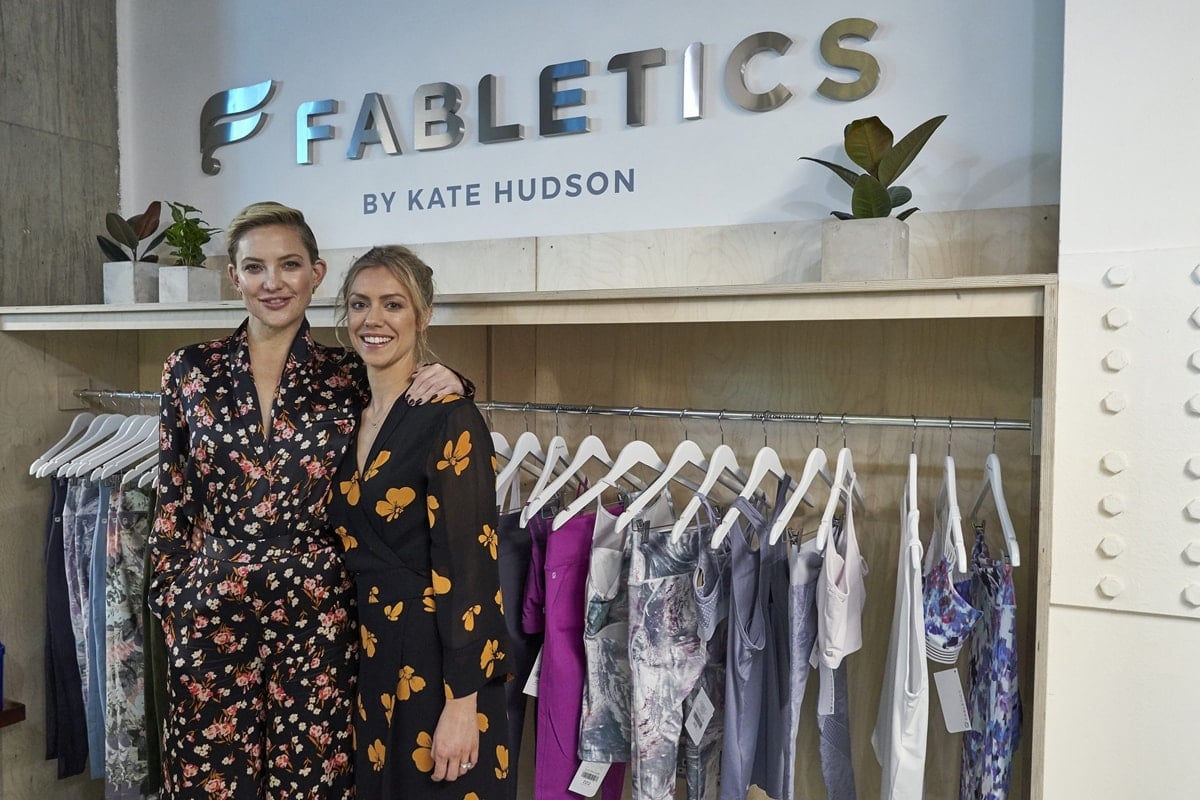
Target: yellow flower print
x=440, y=585
x=379, y=461
x=446, y=690
x=431, y=504
x=481, y=722
x=495, y=465
x=377, y=753
x=501, y=762
x=490, y=655
x=454, y=454
x=409, y=683
x=428, y=601
x=348, y=541
x=373, y=595
x=449, y=397
x=470, y=796
x=393, y=611
x=499, y=598
x=362, y=710
x=350, y=489
x=489, y=539
x=397, y=500
x=389, y=703
x=368, y=641
x=423, y=755
x=469, y=615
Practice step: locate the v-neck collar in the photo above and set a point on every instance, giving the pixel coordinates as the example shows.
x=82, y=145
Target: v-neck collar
x=395, y=416
x=244, y=389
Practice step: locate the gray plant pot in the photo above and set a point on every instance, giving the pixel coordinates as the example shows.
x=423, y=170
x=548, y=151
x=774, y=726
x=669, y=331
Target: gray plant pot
x=864, y=249
x=127, y=282
x=188, y=284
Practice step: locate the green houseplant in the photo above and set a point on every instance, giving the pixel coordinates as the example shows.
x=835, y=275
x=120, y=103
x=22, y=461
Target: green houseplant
x=131, y=271
x=187, y=280
x=869, y=144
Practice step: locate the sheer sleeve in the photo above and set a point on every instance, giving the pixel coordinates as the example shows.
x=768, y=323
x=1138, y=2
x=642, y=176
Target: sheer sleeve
x=466, y=579
x=170, y=538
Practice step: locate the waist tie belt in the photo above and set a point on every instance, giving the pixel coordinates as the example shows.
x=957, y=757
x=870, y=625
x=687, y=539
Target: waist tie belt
x=275, y=548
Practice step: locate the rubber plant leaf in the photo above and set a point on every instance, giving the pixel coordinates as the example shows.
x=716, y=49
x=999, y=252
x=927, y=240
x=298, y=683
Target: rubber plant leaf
x=147, y=222
x=848, y=175
x=867, y=142
x=906, y=213
x=902, y=154
x=842, y=215
x=112, y=251
x=121, y=230
x=870, y=199
x=899, y=195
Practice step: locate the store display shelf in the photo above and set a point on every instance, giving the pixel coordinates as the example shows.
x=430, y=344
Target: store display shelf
x=12, y=713
x=998, y=296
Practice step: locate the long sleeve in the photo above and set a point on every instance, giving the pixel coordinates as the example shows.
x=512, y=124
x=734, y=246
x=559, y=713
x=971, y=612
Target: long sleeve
x=466, y=579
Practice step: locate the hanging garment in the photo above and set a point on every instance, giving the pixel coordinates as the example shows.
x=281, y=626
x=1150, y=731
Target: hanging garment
x=66, y=725
x=249, y=586
x=993, y=699
x=513, y=559
x=555, y=603
x=78, y=538
x=417, y=518
x=670, y=664
x=125, y=764
x=744, y=665
x=902, y=725
x=94, y=620
x=157, y=702
x=949, y=617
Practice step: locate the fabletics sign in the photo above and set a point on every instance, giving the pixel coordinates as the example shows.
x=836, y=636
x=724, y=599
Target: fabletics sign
x=440, y=123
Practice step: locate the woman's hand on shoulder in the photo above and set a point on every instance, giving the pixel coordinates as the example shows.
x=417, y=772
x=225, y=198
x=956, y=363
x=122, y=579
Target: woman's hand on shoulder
x=431, y=381
x=455, y=748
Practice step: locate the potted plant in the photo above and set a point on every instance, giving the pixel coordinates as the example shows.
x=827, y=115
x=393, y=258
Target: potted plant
x=188, y=279
x=867, y=242
x=131, y=272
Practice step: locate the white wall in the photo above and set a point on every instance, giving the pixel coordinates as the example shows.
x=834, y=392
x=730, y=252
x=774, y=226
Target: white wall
x=994, y=68
x=1122, y=719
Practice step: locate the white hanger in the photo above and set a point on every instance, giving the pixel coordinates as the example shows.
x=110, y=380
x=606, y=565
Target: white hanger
x=102, y=427
x=527, y=445
x=722, y=462
x=686, y=453
x=139, y=450
x=78, y=425
x=993, y=485
x=947, y=504
x=765, y=463
x=912, y=522
x=556, y=453
x=143, y=469
x=133, y=431
x=500, y=445
x=844, y=480
x=633, y=454
x=814, y=465
x=592, y=447
x=149, y=478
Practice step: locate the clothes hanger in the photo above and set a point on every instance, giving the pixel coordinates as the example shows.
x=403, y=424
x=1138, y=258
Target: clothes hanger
x=722, y=467
x=77, y=426
x=635, y=453
x=132, y=432
x=912, y=522
x=766, y=462
x=144, y=469
x=993, y=484
x=814, y=465
x=947, y=504
x=526, y=445
x=591, y=448
x=140, y=449
x=100, y=428
x=556, y=453
x=500, y=445
x=844, y=489
x=687, y=453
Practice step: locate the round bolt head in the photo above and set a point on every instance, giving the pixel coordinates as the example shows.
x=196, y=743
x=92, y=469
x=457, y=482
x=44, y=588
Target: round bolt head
x=1194, y=361
x=1193, y=466
x=1116, y=360
x=1114, y=402
x=1195, y=318
x=1192, y=509
x=1191, y=553
x=1193, y=404
x=1112, y=504
x=1117, y=276
x=1112, y=546
x=1191, y=595
x=1118, y=317
x=1116, y=461
x=1196, y=274
x=1110, y=586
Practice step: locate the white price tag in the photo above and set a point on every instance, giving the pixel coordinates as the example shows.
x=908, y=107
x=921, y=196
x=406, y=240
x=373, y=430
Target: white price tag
x=531, y=685
x=702, y=712
x=954, y=703
x=827, y=697
x=588, y=777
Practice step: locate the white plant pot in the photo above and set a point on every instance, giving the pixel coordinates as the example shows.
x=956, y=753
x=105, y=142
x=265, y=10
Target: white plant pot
x=864, y=249
x=127, y=282
x=188, y=284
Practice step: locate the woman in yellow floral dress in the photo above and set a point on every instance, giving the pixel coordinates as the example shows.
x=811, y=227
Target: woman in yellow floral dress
x=414, y=504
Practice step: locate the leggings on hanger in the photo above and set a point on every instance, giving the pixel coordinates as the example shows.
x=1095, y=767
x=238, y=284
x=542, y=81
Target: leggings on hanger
x=66, y=728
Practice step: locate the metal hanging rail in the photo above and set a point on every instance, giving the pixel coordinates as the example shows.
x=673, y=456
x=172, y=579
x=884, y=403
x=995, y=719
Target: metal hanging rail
x=725, y=415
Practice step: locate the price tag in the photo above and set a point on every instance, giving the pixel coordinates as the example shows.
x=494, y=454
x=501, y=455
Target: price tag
x=954, y=703
x=827, y=697
x=588, y=777
x=531, y=685
x=702, y=712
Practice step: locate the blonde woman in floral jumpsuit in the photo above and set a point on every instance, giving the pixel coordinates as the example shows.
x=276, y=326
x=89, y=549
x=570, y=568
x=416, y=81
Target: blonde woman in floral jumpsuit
x=248, y=584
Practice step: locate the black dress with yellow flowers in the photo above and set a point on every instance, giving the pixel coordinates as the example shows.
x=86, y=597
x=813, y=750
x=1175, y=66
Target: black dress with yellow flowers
x=419, y=529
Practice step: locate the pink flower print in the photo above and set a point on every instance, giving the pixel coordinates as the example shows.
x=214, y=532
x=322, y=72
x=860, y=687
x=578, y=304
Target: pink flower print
x=190, y=770
x=225, y=639
x=193, y=385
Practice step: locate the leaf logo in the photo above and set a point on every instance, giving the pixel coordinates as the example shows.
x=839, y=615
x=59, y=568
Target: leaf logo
x=229, y=103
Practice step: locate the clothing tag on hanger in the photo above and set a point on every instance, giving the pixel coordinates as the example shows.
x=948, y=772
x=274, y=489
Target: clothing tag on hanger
x=531, y=685
x=588, y=777
x=954, y=703
x=702, y=712
x=826, y=699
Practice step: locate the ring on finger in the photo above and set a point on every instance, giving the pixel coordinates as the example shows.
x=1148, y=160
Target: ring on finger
x=466, y=765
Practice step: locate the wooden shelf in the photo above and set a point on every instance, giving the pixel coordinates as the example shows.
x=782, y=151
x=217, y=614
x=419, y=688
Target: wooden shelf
x=12, y=713
x=999, y=296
